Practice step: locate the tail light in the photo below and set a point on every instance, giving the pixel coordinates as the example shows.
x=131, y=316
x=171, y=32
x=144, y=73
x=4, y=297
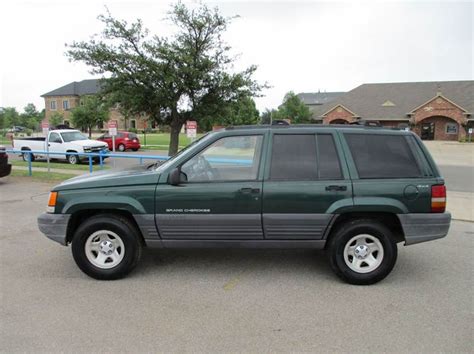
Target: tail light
x=438, y=199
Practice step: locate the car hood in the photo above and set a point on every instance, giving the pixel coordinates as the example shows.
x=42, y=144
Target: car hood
x=124, y=177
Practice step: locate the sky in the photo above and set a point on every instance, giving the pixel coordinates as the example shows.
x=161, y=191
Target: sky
x=298, y=46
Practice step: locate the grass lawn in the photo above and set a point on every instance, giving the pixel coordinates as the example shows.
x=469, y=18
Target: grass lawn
x=162, y=140
x=6, y=142
x=63, y=165
x=43, y=176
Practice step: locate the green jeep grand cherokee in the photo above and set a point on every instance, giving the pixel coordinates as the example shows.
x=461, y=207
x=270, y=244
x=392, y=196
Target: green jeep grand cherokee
x=353, y=190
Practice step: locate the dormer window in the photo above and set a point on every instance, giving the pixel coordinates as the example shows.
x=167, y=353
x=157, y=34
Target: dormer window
x=388, y=103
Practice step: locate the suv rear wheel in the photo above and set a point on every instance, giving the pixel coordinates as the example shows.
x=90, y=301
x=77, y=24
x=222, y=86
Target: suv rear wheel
x=362, y=252
x=106, y=247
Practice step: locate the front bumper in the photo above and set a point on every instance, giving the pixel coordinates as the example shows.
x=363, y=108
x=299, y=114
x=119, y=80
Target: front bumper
x=424, y=227
x=54, y=226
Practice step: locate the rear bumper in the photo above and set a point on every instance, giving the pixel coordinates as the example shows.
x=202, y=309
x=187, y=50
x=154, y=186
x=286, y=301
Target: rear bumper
x=424, y=227
x=54, y=226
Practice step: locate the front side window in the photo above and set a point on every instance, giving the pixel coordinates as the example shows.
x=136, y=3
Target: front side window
x=52, y=105
x=451, y=128
x=54, y=138
x=383, y=156
x=73, y=136
x=233, y=158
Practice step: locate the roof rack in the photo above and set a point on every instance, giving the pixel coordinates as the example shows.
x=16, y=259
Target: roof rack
x=296, y=126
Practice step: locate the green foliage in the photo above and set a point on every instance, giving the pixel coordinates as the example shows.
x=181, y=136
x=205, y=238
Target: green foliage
x=171, y=79
x=30, y=117
x=9, y=117
x=268, y=115
x=92, y=111
x=55, y=119
x=293, y=109
x=241, y=112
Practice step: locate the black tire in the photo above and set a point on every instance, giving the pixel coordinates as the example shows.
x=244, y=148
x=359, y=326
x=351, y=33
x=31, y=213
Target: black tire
x=121, y=148
x=348, y=231
x=121, y=227
x=73, y=159
x=25, y=156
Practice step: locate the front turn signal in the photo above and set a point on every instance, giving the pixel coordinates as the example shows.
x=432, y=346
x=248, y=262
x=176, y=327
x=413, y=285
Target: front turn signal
x=53, y=198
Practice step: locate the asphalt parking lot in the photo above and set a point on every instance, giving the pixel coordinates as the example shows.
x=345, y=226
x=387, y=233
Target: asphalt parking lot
x=226, y=300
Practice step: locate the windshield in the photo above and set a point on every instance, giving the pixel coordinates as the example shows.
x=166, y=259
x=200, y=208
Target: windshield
x=168, y=162
x=73, y=136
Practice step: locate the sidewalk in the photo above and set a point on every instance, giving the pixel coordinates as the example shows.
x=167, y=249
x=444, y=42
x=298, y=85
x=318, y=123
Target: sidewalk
x=461, y=205
x=451, y=152
x=54, y=170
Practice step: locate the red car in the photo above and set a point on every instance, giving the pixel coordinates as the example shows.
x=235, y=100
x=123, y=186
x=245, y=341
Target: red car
x=123, y=141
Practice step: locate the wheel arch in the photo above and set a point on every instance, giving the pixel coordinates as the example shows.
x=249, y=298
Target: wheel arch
x=80, y=216
x=388, y=219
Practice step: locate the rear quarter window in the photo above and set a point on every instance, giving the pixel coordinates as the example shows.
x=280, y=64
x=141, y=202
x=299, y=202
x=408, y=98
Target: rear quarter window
x=383, y=156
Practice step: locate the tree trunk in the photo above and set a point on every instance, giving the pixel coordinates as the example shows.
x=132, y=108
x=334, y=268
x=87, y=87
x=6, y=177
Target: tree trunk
x=176, y=126
x=90, y=131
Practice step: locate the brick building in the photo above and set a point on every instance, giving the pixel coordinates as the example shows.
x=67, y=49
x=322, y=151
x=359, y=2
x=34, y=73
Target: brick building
x=434, y=110
x=62, y=100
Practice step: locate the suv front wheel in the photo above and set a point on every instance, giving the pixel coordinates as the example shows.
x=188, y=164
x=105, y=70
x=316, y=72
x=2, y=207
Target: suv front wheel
x=106, y=247
x=362, y=252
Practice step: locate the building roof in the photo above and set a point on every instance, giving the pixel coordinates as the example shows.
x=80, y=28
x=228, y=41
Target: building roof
x=84, y=87
x=318, y=98
x=391, y=101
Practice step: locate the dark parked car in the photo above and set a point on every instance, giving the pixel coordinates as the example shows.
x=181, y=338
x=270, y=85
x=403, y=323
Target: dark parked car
x=123, y=141
x=5, y=167
x=355, y=191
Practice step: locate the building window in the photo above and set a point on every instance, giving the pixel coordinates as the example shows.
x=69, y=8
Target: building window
x=66, y=105
x=52, y=105
x=451, y=128
x=133, y=124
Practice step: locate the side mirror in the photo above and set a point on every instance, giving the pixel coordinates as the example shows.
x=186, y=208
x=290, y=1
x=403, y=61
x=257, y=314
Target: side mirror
x=174, y=177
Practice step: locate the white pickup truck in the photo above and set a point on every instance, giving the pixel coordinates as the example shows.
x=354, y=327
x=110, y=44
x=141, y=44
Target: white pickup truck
x=61, y=141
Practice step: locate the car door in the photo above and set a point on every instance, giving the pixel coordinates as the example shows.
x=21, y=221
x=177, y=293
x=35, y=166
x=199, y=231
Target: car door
x=305, y=181
x=219, y=197
x=55, y=145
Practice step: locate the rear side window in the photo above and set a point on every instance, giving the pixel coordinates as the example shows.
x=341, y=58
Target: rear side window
x=293, y=157
x=382, y=156
x=304, y=157
x=132, y=135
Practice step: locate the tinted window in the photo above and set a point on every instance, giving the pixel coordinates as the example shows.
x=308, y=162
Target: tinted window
x=132, y=135
x=231, y=158
x=293, y=157
x=382, y=156
x=328, y=160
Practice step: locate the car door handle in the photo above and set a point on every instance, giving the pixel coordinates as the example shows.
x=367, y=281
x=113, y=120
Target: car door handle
x=250, y=190
x=336, y=188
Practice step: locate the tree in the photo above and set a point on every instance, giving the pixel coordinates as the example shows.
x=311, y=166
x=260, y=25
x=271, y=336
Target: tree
x=55, y=119
x=241, y=112
x=93, y=111
x=294, y=109
x=10, y=117
x=268, y=115
x=171, y=79
x=30, y=117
